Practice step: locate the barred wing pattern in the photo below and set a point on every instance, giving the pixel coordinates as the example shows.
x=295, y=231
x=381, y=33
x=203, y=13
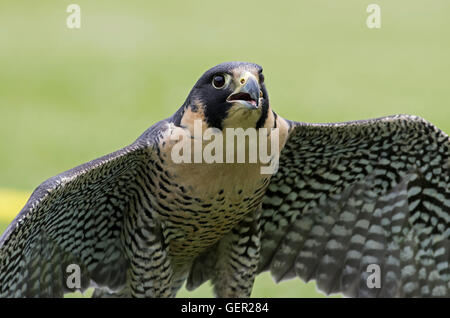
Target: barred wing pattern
x=353, y=194
x=77, y=218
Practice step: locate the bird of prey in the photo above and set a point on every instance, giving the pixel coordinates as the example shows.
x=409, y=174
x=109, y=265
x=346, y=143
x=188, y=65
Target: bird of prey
x=361, y=207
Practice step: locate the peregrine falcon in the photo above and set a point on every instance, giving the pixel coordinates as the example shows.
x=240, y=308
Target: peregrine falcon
x=345, y=202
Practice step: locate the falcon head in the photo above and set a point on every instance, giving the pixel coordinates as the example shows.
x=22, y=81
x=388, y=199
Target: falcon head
x=232, y=95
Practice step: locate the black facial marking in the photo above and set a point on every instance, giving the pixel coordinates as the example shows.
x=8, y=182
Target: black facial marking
x=261, y=77
x=264, y=111
x=212, y=93
x=176, y=118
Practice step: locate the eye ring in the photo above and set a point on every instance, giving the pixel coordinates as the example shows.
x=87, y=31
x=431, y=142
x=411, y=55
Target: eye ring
x=218, y=81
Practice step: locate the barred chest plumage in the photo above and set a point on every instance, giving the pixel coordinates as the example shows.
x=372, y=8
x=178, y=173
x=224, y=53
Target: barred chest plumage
x=213, y=199
x=198, y=203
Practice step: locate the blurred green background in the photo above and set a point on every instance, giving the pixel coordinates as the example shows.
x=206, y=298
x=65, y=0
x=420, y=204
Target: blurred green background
x=70, y=95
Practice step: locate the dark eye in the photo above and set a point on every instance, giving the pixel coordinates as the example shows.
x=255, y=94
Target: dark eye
x=218, y=81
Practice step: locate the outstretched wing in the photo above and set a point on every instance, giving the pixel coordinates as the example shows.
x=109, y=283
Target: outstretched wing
x=362, y=207
x=74, y=218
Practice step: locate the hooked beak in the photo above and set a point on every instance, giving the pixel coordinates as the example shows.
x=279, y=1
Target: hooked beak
x=247, y=94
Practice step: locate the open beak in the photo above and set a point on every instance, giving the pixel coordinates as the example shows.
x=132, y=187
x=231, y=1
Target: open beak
x=247, y=94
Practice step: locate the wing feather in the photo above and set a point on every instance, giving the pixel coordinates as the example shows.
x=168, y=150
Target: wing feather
x=74, y=218
x=349, y=195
